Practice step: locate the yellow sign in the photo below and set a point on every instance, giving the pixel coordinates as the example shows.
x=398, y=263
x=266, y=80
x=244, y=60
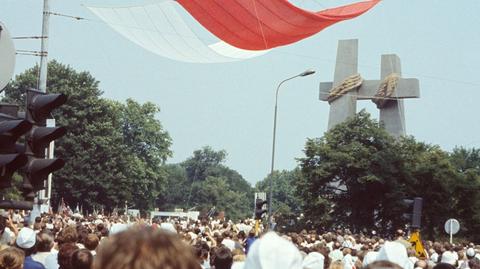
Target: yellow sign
x=417, y=245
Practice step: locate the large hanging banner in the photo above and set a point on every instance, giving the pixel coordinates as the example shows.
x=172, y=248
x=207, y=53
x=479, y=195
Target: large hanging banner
x=266, y=24
x=246, y=28
x=161, y=29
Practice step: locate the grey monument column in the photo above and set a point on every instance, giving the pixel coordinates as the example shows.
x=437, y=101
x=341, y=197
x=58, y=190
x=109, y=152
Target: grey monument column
x=392, y=115
x=346, y=65
x=392, y=112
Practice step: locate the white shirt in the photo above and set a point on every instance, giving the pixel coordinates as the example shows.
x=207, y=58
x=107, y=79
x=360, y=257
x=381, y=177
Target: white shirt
x=7, y=237
x=40, y=257
x=51, y=261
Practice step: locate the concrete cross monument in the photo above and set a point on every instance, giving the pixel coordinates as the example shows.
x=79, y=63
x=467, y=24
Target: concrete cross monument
x=348, y=87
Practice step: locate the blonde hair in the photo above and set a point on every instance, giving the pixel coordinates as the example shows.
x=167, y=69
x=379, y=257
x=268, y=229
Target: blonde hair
x=336, y=265
x=11, y=258
x=144, y=248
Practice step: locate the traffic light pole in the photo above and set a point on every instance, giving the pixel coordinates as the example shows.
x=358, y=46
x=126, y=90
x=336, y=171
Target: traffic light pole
x=42, y=86
x=44, y=47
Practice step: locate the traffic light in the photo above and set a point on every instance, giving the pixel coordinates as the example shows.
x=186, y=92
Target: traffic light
x=415, y=206
x=259, y=210
x=11, y=129
x=12, y=157
x=39, y=107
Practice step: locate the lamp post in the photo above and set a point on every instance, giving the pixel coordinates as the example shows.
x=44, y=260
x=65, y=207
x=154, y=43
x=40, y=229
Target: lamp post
x=303, y=74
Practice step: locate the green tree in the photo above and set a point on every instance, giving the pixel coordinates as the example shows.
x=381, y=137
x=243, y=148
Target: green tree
x=286, y=205
x=432, y=177
x=216, y=192
x=467, y=191
x=346, y=174
x=176, y=188
x=285, y=200
x=202, y=161
x=203, y=182
x=357, y=176
x=112, y=153
x=149, y=146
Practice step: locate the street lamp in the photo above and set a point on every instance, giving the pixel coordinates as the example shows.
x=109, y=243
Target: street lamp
x=303, y=74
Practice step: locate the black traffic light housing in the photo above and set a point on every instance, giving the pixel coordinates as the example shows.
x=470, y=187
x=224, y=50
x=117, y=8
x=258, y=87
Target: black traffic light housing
x=11, y=129
x=415, y=205
x=259, y=210
x=39, y=107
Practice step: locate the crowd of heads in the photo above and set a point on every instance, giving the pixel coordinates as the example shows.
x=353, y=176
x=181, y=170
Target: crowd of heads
x=55, y=241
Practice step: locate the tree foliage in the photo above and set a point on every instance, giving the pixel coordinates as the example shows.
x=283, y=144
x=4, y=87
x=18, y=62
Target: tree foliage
x=113, y=151
x=203, y=182
x=286, y=204
x=357, y=176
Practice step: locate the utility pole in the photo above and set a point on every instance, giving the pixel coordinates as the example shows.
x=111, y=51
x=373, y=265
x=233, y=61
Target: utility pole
x=44, y=50
x=42, y=86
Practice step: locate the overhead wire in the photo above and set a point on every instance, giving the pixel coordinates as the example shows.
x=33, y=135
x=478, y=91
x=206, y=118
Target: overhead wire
x=29, y=37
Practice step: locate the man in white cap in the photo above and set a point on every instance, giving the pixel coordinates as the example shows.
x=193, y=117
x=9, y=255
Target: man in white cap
x=26, y=240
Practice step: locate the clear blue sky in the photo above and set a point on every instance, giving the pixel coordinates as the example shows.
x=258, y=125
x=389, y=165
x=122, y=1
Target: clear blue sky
x=230, y=106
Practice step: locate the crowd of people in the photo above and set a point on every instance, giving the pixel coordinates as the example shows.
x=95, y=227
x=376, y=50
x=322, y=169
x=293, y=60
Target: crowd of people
x=54, y=241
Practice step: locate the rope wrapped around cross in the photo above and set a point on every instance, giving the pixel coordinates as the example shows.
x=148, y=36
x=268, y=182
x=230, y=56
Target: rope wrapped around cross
x=384, y=93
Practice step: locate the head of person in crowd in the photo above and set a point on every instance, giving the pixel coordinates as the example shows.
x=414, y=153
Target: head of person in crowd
x=145, y=248
x=82, y=259
x=336, y=265
x=314, y=260
x=273, y=251
x=448, y=256
x=238, y=255
x=91, y=242
x=383, y=264
x=421, y=264
x=82, y=233
x=223, y=258
x=45, y=241
x=11, y=258
x=474, y=263
x=395, y=252
x=68, y=235
x=470, y=253
x=201, y=250
x=37, y=224
x=26, y=240
x=443, y=266
x=65, y=253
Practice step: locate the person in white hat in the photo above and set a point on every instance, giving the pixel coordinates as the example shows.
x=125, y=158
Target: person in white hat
x=25, y=241
x=314, y=260
x=396, y=253
x=272, y=251
x=448, y=257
